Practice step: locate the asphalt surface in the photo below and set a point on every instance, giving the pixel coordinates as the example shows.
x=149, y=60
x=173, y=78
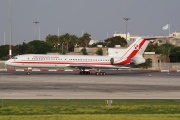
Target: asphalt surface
x=135, y=84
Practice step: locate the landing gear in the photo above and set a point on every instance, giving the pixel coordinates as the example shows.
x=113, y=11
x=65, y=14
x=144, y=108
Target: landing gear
x=84, y=72
x=29, y=69
x=27, y=73
x=99, y=72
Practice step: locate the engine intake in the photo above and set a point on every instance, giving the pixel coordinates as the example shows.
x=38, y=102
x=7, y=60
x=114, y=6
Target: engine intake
x=112, y=61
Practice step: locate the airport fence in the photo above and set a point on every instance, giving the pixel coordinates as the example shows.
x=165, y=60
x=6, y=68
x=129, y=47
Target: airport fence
x=155, y=66
x=165, y=66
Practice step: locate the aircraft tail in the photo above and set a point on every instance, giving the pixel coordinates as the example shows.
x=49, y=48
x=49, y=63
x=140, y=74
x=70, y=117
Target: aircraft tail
x=133, y=52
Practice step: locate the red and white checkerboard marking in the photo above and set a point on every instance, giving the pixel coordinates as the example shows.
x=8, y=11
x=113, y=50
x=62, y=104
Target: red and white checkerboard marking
x=136, y=47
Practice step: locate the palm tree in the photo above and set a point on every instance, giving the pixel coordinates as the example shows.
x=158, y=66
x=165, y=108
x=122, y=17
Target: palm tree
x=111, y=42
x=166, y=50
x=73, y=42
x=52, y=39
x=84, y=40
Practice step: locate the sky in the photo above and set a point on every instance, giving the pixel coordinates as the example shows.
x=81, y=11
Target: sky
x=100, y=18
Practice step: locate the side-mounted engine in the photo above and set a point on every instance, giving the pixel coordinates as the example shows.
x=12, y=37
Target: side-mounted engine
x=117, y=61
x=138, y=60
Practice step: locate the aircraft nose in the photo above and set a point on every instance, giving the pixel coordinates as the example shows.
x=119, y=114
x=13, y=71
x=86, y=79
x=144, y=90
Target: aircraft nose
x=7, y=62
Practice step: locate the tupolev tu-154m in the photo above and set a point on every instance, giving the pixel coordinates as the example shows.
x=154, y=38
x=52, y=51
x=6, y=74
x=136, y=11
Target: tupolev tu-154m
x=131, y=55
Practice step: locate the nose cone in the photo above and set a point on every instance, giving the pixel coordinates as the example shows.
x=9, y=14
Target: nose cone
x=7, y=63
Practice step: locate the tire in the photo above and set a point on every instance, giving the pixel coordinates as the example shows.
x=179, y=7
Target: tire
x=104, y=73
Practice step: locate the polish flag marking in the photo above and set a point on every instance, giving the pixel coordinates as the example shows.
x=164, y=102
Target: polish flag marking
x=136, y=46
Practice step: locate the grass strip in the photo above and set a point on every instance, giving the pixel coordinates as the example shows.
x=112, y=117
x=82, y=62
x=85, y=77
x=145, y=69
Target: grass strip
x=95, y=117
x=92, y=107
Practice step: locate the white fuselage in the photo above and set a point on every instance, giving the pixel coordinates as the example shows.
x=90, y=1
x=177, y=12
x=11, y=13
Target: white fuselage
x=58, y=61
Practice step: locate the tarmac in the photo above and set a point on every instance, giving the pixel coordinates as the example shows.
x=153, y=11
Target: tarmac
x=124, y=84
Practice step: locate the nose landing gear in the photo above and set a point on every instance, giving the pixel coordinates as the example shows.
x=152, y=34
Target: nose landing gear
x=29, y=69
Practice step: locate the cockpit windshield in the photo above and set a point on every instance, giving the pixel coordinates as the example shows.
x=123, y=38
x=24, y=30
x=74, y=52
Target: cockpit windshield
x=14, y=57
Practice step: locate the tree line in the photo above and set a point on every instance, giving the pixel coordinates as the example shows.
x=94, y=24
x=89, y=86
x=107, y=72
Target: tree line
x=169, y=52
x=59, y=44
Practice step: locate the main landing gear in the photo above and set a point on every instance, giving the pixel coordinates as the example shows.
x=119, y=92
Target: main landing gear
x=99, y=72
x=84, y=72
x=88, y=73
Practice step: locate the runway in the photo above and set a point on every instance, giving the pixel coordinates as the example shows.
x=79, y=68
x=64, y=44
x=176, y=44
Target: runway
x=137, y=84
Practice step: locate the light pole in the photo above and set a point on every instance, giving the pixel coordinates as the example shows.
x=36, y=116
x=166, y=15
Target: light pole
x=36, y=31
x=23, y=48
x=62, y=47
x=10, y=44
x=126, y=19
x=4, y=38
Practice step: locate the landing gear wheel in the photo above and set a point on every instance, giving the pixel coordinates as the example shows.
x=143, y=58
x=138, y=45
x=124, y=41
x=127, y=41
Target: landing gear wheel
x=100, y=73
x=103, y=73
x=84, y=72
x=28, y=73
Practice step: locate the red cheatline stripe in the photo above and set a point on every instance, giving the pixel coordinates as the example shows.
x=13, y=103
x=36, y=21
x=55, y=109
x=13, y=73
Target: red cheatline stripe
x=32, y=62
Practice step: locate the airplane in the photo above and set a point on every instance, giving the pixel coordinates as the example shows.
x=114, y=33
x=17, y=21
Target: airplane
x=132, y=54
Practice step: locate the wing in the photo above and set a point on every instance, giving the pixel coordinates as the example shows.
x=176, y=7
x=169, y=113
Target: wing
x=84, y=66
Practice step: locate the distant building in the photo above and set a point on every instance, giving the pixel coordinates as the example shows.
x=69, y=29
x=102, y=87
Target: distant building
x=173, y=39
x=129, y=40
x=93, y=41
x=175, y=34
x=123, y=35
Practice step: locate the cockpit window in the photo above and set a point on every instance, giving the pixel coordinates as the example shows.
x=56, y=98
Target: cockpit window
x=14, y=57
